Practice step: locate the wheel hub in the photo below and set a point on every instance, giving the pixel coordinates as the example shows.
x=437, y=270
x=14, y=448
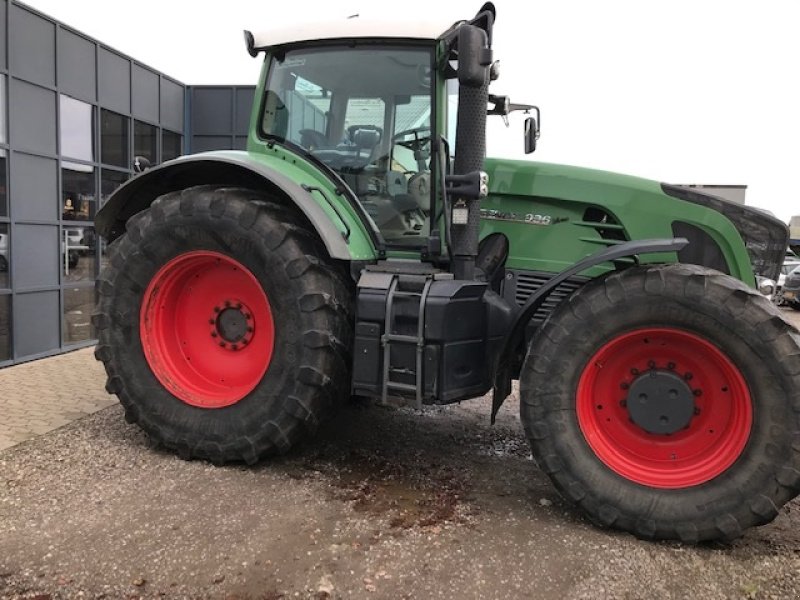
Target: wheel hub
x=660, y=402
x=233, y=324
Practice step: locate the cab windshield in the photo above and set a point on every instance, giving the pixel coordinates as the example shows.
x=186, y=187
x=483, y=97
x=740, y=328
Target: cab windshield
x=366, y=113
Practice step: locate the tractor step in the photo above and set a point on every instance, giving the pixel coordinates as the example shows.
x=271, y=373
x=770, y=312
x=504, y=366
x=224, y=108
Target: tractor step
x=390, y=338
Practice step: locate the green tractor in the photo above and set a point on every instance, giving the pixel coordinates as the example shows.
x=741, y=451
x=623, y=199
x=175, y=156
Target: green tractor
x=364, y=245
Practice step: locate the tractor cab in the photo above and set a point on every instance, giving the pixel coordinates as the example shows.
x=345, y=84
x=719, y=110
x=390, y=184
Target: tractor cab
x=364, y=113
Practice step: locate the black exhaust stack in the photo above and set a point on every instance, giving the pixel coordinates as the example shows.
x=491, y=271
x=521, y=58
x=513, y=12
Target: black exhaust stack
x=474, y=59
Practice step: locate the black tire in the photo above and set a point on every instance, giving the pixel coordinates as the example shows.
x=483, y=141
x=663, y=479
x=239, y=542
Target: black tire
x=741, y=323
x=310, y=297
x=794, y=304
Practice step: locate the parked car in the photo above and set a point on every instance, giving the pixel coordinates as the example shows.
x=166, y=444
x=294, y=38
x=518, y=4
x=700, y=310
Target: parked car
x=3, y=252
x=791, y=289
x=788, y=266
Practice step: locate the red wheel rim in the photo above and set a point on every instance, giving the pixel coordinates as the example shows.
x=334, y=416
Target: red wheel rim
x=711, y=441
x=206, y=329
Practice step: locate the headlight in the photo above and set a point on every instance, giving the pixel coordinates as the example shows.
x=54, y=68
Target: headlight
x=765, y=286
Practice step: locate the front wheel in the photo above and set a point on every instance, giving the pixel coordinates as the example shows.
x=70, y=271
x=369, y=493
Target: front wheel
x=663, y=401
x=223, y=325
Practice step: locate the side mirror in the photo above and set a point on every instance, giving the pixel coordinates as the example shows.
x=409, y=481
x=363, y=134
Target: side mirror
x=474, y=56
x=531, y=134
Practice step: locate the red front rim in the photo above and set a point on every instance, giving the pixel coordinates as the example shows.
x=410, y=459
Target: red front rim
x=710, y=442
x=206, y=329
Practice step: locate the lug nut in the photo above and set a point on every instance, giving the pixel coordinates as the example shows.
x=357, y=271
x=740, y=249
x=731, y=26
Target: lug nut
x=670, y=365
x=696, y=410
x=213, y=334
x=211, y=321
x=697, y=392
x=216, y=309
x=624, y=385
x=623, y=403
x=688, y=376
x=634, y=371
x=239, y=306
x=222, y=344
x=234, y=347
x=651, y=364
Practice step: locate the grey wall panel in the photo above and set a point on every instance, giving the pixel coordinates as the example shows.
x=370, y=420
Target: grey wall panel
x=172, y=105
x=114, y=81
x=34, y=188
x=201, y=143
x=145, y=94
x=35, y=256
x=240, y=143
x=32, y=118
x=32, y=46
x=36, y=323
x=3, y=31
x=212, y=111
x=76, y=66
x=244, y=103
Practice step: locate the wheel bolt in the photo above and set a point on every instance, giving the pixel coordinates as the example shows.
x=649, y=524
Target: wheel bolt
x=697, y=392
x=634, y=371
x=227, y=303
x=688, y=376
x=213, y=334
x=623, y=403
x=624, y=385
x=696, y=410
x=211, y=321
x=234, y=347
x=651, y=364
x=238, y=306
x=247, y=316
x=222, y=344
x=216, y=309
x=671, y=365
x=249, y=330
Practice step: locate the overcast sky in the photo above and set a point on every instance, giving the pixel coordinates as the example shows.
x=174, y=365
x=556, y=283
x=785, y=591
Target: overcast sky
x=684, y=91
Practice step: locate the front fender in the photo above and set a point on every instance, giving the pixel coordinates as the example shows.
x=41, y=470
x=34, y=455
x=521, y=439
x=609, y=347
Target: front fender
x=344, y=234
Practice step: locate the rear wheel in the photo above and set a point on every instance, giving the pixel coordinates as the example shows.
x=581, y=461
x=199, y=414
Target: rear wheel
x=224, y=329
x=663, y=401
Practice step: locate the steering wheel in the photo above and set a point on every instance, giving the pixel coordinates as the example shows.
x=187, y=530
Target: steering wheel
x=419, y=141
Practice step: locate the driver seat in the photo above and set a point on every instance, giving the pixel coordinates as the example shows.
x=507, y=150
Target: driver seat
x=366, y=139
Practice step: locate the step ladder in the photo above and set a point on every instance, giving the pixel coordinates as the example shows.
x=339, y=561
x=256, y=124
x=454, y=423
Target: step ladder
x=390, y=338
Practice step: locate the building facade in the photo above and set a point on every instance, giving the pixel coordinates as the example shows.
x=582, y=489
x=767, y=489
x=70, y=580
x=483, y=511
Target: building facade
x=73, y=115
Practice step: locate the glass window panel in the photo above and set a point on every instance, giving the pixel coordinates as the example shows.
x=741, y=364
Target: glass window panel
x=114, y=138
x=3, y=134
x=76, y=325
x=76, y=129
x=78, y=253
x=5, y=256
x=109, y=182
x=170, y=145
x=145, y=141
x=3, y=190
x=5, y=328
x=79, y=198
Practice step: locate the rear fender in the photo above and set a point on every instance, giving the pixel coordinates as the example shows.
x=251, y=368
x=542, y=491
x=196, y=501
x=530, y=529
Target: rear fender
x=345, y=235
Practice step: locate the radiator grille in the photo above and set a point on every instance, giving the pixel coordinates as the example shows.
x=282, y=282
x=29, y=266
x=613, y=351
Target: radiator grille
x=528, y=282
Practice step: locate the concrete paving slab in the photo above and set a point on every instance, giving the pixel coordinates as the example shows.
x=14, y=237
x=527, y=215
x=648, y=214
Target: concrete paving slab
x=43, y=395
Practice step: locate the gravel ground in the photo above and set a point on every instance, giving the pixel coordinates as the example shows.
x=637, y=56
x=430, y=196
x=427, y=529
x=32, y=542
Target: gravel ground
x=384, y=503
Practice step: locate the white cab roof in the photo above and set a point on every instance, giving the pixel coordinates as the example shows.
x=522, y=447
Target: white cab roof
x=353, y=28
